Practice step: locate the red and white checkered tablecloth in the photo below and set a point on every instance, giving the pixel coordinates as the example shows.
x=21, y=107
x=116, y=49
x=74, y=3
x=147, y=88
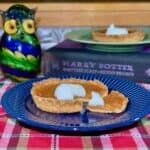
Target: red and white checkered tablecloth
x=15, y=136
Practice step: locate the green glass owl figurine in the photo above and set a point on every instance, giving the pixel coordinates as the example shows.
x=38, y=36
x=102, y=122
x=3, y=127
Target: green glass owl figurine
x=20, y=51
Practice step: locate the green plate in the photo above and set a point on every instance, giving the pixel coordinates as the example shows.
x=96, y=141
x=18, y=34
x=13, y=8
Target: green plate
x=84, y=36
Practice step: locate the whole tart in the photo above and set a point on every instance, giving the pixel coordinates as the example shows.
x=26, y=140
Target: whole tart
x=133, y=35
x=43, y=94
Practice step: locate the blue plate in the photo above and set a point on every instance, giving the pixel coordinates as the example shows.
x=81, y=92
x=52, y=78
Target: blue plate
x=18, y=103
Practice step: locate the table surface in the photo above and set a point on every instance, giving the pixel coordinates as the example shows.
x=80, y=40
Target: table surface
x=13, y=135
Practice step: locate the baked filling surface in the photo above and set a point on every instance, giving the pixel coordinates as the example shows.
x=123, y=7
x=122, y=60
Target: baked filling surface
x=43, y=94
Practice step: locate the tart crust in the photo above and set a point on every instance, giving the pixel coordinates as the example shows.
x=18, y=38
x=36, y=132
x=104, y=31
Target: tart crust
x=133, y=35
x=43, y=94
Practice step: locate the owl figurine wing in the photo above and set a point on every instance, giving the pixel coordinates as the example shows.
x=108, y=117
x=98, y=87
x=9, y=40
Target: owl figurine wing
x=20, y=53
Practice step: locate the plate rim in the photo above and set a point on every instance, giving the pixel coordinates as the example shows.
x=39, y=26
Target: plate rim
x=30, y=122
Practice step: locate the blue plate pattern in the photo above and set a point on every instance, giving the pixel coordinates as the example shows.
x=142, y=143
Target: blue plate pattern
x=18, y=103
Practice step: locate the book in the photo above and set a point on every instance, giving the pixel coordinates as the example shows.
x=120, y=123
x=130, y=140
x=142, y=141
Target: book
x=134, y=66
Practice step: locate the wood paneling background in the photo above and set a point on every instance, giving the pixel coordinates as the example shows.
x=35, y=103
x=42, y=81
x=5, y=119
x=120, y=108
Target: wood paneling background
x=64, y=14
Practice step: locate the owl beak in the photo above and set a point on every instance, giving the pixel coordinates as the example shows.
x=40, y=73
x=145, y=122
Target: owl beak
x=22, y=35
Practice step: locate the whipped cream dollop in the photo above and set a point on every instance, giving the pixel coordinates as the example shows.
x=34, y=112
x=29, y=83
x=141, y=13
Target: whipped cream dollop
x=113, y=30
x=96, y=99
x=66, y=91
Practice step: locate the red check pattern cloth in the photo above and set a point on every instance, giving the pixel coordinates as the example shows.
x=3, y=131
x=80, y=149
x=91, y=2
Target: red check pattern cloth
x=15, y=136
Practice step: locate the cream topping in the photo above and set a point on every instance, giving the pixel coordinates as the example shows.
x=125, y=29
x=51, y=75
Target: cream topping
x=96, y=99
x=66, y=91
x=113, y=30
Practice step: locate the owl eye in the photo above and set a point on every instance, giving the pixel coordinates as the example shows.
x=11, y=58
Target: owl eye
x=29, y=26
x=10, y=26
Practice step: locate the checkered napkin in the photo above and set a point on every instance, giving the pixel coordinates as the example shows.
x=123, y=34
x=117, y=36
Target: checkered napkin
x=15, y=136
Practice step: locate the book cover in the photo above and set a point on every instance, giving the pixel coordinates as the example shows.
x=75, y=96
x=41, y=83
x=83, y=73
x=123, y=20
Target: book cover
x=134, y=66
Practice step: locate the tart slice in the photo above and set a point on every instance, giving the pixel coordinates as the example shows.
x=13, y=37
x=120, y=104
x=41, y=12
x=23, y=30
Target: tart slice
x=115, y=102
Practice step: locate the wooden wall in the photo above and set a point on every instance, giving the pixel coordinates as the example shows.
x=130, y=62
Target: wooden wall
x=89, y=13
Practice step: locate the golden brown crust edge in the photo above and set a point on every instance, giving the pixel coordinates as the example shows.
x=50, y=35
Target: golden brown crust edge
x=55, y=106
x=133, y=36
